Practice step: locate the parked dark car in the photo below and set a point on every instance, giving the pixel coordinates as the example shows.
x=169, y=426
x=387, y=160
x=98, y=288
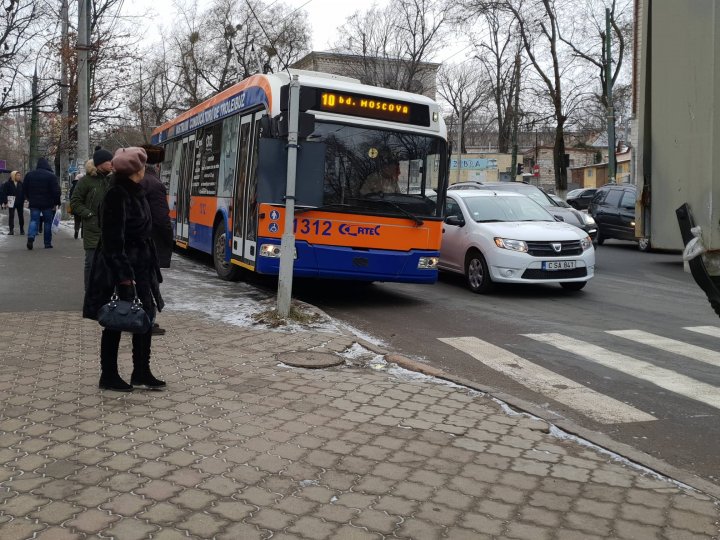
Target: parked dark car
x=613, y=208
x=568, y=215
x=580, y=198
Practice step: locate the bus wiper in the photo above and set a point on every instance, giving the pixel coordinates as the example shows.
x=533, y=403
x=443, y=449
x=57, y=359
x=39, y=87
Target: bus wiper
x=324, y=207
x=404, y=212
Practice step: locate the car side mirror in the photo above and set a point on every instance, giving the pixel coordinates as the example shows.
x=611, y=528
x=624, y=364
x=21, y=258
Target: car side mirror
x=457, y=221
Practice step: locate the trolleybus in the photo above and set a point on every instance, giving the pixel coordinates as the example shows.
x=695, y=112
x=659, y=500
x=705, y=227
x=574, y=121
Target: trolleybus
x=371, y=177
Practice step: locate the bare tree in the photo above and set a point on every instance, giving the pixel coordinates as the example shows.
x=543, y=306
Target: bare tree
x=464, y=91
x=21, y=41
x=233, y=40
x=394, y=43
x=585, y=35
x=154, y=96
x=559, y=81
x=497, y=54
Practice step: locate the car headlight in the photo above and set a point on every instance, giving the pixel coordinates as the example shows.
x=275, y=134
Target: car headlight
x=586, y=243
x=588, y=219
x=512, y=245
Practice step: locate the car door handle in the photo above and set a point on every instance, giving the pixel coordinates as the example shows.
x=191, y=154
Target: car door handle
x=443, y=230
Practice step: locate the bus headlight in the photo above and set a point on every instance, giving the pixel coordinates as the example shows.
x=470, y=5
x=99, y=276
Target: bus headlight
x=427, y=263
x=272, y=251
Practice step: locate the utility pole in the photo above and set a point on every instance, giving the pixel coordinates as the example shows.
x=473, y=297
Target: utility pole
x=34, y=121
x=83, y=126
x=287, y=243
x=64, y=123
x=513, y=163
x=460, y=138
x=610, y=109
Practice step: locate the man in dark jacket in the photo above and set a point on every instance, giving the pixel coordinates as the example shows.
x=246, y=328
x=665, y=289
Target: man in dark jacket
x=13, y=197
x=156, y=195
x=86, y=198
x=42, y=191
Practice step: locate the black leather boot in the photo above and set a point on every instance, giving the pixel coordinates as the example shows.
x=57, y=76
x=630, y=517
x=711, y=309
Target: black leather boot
x=109, y=377
x=141, y=375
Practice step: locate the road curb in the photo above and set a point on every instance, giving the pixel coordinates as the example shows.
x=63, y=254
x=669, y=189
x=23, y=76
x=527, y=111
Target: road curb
x=599, y=439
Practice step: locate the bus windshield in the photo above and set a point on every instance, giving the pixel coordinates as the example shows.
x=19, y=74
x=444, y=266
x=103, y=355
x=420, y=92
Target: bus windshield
x=387, y=172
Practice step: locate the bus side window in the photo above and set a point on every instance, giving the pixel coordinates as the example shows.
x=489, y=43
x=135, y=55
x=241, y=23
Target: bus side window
x=228, y=157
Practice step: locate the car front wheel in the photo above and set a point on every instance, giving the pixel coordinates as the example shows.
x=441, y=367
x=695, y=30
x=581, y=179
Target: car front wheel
x=477, y=273
x=573, y=285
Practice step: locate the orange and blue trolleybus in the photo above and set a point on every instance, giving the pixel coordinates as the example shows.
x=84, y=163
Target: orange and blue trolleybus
x=371, y=178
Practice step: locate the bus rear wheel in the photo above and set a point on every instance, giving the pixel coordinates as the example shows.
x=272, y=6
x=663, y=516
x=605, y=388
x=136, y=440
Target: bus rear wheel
x=225, y=269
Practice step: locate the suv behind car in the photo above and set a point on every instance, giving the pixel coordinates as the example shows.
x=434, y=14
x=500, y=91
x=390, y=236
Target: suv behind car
x=613, y=208
x=580, y=198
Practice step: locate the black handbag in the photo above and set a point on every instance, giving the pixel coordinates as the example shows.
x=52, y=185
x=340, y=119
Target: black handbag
x=124, y=315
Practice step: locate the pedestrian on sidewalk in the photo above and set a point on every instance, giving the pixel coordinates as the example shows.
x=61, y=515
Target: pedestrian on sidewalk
x=42, y=191
x=77, y=225
x=162, y=232
x=125, y=261
x=12, y=197
x=86, y=199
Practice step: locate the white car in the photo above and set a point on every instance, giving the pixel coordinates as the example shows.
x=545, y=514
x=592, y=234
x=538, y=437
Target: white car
x=504, y=237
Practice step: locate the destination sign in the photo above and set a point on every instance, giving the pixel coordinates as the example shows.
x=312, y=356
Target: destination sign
x=366, y=106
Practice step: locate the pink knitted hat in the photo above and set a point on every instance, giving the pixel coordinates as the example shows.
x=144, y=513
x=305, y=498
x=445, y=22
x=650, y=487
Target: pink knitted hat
x=129, y=160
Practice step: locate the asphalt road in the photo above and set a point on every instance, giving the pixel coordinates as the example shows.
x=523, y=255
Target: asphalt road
x=665, y=403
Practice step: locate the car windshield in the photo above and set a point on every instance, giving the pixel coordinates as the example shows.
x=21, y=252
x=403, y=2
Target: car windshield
x=382, y=171
x=505, y=208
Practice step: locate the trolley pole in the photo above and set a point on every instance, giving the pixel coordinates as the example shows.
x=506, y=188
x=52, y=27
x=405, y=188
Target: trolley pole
x=460, y=138
x=83, y=128
x=611, y=109
x=287, y=243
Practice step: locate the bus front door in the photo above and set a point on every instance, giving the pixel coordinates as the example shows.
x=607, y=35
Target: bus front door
x=182, y=202
x=244, y=197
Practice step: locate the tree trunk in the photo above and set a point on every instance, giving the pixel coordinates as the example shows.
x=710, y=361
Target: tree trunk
x=559, y=161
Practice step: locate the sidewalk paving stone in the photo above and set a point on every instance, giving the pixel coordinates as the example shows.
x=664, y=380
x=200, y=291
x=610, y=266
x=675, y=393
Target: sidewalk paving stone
x=241, y=446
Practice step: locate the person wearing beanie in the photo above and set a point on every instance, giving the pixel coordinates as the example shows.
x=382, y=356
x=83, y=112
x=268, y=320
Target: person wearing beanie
x=156, y=195
x=125, y=261
x=101, y=156
x=85, y=202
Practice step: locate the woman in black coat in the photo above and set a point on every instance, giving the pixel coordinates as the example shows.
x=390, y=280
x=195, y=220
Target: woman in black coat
x=125, y=257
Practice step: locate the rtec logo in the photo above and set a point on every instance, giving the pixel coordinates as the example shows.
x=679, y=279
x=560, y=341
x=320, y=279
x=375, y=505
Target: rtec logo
x=356, y=230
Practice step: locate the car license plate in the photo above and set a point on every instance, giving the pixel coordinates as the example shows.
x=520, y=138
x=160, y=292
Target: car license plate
x=558, y=265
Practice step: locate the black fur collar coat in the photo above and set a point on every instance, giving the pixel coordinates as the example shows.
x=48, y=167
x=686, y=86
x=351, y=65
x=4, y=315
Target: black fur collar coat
x=126, y=250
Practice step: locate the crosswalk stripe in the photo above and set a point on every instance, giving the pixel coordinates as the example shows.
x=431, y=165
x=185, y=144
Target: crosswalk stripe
x=664, y=378
x=712, y=331
x=674, y=346
x=595, y=405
